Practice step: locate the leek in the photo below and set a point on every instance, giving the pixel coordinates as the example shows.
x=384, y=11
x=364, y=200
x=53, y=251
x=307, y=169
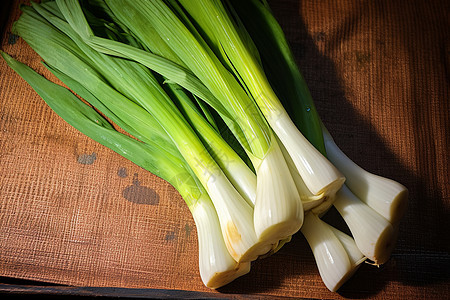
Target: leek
x=388, y=197
x=377, y=202
x=274, y=218
x=62, y=53
x=178, y=76
x=277, y=59
x=217, y=267
x=385, y=197
x=235, y=46
x=373, y=234
x=331, y=257
x=240, y=175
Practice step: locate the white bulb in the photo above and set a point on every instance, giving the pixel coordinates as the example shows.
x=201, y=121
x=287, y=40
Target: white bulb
x=388, y=197
x=217, y=267
x=373, y=234
x=236, y=220
x=319, y=175
x=278, y=209
x=331, y=258
x=309, y=200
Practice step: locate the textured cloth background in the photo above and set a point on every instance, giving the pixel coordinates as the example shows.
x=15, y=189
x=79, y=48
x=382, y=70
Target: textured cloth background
x=74, y=212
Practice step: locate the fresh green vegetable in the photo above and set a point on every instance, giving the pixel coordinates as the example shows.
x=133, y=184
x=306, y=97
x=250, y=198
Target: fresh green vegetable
x=278, y=209
x=386, y=196
x=368, y=197
x=212, y=101
x=336, y=254
x=140, y=85
x=373, y=234
x=233, y=43
x=281, y=68
x=217, y=267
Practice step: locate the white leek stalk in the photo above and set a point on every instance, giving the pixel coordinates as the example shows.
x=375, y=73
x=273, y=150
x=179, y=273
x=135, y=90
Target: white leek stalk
x=224, y=34
x=331, y=257
x=256, y=134
x=388, y=197
x=236, y=220
x=355, y=256
x=319, y=175
x=373, y=234
x=217, y=267
x=80, y=65
x=318, y=204
x=278, y=207
x=309, y=200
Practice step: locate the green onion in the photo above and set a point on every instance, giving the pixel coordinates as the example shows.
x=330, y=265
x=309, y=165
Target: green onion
x=373, y=234
x=336, y=253
x=374, y=197
x=386, y=196
x=235, y=213
x=243, y=179
x=227, y=35
x=278, y=209
x=217, y=267
x=240, y=175
x=210, y=99
x=331, y=256
x=281, y=68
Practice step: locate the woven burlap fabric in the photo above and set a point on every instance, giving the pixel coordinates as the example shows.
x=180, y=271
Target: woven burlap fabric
x=76, y=213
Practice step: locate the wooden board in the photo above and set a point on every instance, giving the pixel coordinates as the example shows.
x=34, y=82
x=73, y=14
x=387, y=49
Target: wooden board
x=75, y=213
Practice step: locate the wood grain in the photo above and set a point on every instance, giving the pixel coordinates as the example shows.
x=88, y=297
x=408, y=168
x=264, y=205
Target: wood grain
x=73, y=212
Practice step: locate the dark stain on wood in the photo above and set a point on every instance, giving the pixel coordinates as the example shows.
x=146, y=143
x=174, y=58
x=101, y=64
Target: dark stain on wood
x=122, y=172
x=170, y=236
x=12, y=38
x=139, y=194
x=87, y=159
x=362, y=58
x=188, y=229
x=319, y=36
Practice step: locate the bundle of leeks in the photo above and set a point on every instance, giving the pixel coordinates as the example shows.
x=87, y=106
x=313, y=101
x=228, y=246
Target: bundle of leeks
x=201, y=87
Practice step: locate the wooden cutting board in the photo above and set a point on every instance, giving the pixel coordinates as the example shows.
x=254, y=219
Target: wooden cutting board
x=73, y=212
